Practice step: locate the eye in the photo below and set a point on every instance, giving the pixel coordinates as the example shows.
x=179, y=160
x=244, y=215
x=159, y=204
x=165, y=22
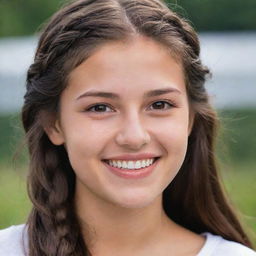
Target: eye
x=101, y=108
x=98, y=108
x=160, y=105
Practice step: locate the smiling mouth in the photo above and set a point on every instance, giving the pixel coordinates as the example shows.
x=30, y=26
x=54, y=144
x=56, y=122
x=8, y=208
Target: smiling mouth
x=155, y=159
x=132, y=172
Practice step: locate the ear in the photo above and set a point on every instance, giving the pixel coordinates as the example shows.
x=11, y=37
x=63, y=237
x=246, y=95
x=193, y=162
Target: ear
x=55, y=133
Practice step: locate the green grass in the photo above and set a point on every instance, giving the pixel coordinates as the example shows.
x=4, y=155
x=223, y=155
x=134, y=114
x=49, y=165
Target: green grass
x=14, y=201
x=239, y=181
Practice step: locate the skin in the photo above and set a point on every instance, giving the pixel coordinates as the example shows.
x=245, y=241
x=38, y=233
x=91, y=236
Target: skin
x=121, y=216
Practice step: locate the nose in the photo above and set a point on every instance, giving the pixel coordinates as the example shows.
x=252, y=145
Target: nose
x=132, y=134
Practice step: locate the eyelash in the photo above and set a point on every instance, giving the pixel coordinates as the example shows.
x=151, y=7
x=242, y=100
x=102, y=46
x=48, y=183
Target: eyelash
x=171, y=105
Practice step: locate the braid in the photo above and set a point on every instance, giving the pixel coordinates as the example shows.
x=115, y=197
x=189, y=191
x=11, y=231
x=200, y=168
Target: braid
x=51, y=193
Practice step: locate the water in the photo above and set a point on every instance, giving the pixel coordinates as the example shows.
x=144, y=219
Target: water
x=230, y=56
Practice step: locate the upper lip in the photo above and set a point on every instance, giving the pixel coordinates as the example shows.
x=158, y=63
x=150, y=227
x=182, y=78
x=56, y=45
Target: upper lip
x=133, y=157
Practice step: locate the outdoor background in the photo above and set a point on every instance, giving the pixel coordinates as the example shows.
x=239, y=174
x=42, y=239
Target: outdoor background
x=227, y=31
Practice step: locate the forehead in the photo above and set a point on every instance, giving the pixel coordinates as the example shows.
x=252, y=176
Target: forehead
x=138, y=63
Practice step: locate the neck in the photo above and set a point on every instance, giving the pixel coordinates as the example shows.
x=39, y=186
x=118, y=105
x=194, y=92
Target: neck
x=107, y=226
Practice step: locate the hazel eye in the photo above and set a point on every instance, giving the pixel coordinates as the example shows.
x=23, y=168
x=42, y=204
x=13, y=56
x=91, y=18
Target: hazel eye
x=160, y=105
x=98, y=108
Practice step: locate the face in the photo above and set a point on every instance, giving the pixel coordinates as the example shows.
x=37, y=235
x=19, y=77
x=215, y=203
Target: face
x=94, y=128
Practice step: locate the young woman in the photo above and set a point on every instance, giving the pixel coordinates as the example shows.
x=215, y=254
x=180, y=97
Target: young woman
x=121, y=139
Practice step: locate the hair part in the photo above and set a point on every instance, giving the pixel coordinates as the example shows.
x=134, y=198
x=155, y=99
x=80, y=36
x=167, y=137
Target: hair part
x=194, y=199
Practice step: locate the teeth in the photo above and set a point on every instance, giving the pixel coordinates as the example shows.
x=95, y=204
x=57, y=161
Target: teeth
x=131, y=164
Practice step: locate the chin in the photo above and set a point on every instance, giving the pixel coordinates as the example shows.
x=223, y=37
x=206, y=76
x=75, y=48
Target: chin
x=135, y=201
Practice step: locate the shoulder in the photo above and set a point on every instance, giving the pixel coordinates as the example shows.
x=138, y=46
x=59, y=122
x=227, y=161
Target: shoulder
x=218, y=246
x=13, y=240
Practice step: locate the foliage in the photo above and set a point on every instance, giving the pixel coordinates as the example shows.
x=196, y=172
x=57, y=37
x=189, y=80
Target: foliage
x=11, y=139
x=237, y=141
x=24, y=17
x=218, y=15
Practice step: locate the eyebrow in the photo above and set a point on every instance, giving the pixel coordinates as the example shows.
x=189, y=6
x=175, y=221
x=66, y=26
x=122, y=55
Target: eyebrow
x=111, y=95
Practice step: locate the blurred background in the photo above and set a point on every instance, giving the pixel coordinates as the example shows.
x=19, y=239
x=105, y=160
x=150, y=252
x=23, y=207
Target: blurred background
x=227, y=31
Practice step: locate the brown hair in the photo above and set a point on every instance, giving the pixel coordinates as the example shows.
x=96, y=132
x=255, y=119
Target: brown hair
x=194, y=199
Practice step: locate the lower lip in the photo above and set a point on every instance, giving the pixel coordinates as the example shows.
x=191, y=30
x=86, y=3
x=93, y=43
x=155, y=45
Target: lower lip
x=132, y=174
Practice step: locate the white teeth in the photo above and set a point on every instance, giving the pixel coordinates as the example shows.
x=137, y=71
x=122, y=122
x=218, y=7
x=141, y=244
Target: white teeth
x=131, y=164
x=137, y=165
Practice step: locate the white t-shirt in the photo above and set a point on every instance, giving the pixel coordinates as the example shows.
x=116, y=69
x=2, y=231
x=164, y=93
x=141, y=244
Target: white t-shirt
x=11, y=244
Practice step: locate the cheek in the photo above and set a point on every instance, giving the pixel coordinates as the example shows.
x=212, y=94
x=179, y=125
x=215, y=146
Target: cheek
x=173, y=137
x=85, y=141
x=173, y=132
x=175, y=143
